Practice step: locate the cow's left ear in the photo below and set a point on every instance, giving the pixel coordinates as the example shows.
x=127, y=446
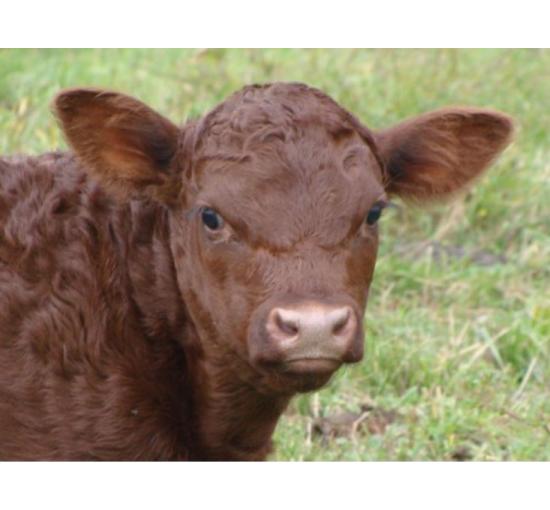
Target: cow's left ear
x=125, y=144
x=432, y=156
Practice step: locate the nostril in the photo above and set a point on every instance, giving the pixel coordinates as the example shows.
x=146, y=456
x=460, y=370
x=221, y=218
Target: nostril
x=285, y=324
x=341, y=322
x=340, y=325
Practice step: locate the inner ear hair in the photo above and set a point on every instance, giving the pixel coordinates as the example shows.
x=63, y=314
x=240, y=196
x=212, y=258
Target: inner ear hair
x=126, y=145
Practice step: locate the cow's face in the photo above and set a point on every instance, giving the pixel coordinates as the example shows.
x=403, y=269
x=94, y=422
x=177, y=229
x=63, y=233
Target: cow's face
x=274, y=200
x=279, y=227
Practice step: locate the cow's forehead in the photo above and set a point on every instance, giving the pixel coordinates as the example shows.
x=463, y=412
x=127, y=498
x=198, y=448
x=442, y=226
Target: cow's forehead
x=281, y=192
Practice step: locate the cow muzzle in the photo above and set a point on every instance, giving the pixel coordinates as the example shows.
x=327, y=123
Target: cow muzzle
x=308, y=337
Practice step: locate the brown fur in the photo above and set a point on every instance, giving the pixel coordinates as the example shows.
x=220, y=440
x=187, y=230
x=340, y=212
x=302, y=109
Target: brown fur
x=126, y=327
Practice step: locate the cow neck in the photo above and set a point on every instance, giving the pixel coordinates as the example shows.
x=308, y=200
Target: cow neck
x=234, y=420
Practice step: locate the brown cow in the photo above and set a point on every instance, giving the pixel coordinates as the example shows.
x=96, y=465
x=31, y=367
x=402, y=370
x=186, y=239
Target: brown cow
x=165, y=291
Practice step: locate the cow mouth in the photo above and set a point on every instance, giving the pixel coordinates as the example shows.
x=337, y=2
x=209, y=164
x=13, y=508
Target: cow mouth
x=304, y=374
x=311, y=365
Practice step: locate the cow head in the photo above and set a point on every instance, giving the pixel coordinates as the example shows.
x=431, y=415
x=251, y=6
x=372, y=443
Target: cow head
x=274, y=199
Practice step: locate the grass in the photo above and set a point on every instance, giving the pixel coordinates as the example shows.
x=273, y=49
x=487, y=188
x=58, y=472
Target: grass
x=458, y=324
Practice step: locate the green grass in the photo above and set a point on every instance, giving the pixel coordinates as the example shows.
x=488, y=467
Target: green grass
x=459, y=349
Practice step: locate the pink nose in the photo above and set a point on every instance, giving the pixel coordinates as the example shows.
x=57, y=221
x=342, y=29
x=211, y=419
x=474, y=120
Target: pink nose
x=313, y=332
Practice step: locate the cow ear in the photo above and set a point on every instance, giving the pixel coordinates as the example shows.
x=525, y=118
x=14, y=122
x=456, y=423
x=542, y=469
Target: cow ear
x=437, y=154
x=126, y=145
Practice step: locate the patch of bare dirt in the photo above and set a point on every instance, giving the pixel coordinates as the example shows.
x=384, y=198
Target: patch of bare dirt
x=462, y=453
x=370, y=419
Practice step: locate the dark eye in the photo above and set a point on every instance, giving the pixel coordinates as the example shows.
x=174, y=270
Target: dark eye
x=374, y=214
x=211, y=219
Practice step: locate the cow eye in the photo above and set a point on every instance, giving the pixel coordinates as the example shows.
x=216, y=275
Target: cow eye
x=374, y=214
x=211, y=219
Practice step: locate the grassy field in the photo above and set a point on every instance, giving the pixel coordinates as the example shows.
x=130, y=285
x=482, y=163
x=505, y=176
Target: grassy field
x=457, y=361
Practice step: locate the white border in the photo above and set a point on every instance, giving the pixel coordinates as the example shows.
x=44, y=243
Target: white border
x=279, y=486
x=275, y=23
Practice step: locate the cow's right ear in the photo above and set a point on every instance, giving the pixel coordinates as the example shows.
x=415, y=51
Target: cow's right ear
x=125, y=144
